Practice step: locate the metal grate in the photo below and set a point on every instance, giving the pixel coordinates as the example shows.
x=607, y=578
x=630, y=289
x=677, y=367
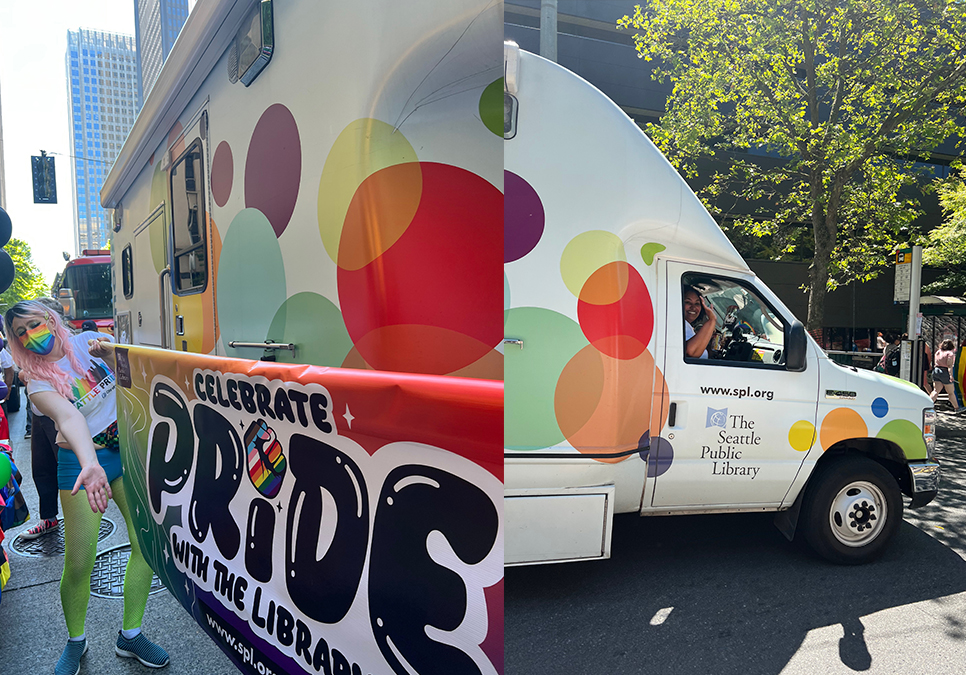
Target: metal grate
x=52, y=543
x=107, y=579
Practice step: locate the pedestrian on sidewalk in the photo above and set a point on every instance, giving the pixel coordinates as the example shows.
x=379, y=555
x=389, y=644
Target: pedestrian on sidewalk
x=43, y=453
x=942, y=379
x=71, y=381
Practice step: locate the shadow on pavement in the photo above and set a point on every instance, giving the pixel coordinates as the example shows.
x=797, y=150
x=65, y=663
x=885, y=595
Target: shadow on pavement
x=743, y=598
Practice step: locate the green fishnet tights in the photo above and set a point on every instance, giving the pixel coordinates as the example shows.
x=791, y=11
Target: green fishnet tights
x=81, y=526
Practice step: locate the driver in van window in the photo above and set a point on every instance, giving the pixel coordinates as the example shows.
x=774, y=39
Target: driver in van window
x=696, y=339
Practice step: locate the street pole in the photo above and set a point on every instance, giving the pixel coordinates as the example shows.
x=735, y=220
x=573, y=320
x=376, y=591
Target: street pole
x=548, y=29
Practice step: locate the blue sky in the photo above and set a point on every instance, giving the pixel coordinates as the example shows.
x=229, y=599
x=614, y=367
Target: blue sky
x=33, y=95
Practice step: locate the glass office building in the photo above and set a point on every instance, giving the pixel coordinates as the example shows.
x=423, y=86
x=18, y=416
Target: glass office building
x=103, y=93
x=157, y=24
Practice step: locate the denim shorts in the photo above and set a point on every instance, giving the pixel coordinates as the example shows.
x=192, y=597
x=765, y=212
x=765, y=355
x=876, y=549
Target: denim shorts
x=68, y=468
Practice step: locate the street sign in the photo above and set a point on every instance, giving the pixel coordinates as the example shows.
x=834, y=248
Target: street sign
x=903, y=259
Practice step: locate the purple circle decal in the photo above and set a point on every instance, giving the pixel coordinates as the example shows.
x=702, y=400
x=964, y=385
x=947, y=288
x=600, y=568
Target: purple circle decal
x=658, y=455
x=523, y=217
x=222, y=168
x=274, y=167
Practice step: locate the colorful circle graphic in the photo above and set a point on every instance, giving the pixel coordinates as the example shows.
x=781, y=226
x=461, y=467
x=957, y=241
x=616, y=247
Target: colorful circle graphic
x=222, y=173
x=659, y=457
x=314, y=324
x=907, y=436
x=523, y=217
x=273, y=168
x=841, y=424
x=801, y=436
x=251, y=280
x=364, y=147
x=615, y=311
x=380, y=212
x=880, y=407
x=491, y=107
x=585, y=254
x=431, y=302
x=604, y=405
x=550, y=341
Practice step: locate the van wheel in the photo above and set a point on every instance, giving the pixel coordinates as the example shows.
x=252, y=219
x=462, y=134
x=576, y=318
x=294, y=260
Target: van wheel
x=852, y=509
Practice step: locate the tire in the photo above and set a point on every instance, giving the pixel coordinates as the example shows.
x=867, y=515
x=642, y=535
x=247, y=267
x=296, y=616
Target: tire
x=851, y=511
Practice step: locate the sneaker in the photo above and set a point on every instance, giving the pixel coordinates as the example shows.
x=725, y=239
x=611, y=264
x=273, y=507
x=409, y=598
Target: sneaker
x=43, y=527
x=69, y=661
x=27, y=434
x=142, y=649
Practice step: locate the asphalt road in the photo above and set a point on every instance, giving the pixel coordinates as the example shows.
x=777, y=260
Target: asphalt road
x=729, y=594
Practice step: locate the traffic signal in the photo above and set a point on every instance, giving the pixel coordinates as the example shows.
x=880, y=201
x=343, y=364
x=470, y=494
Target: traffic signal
x=6, y=263
x=45, y=179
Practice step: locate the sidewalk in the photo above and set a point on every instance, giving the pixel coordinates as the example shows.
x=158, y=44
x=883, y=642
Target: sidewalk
x=33, y=631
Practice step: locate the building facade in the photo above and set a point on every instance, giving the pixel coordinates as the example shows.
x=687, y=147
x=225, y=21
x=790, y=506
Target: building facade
x=157, y=24
x=103, y=92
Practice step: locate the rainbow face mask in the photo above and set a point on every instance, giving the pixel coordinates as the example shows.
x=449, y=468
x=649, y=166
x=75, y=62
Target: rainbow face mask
x=38, y=339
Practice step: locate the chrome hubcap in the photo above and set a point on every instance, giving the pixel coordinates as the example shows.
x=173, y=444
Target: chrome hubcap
x=858, y=513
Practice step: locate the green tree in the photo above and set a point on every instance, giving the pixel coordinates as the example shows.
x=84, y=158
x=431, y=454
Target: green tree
x=946, y=247
x=841, y=96
x=28, y=282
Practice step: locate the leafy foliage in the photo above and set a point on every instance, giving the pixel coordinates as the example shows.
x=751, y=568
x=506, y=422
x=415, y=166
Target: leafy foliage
x=28, y=282
x=813, y=113
x=946, y=248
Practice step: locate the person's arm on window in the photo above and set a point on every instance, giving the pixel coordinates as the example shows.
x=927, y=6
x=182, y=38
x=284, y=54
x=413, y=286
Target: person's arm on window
x=696, y=346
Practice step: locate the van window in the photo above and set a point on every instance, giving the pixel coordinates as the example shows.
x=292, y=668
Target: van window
x=190, y=270
x=747, y=329
x=127, y=271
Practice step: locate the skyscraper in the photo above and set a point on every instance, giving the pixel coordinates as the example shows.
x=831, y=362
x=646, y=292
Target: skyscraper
x=157, y=24
x=103, y=91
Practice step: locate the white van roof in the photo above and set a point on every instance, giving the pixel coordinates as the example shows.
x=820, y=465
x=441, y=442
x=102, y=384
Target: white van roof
x=596, y=169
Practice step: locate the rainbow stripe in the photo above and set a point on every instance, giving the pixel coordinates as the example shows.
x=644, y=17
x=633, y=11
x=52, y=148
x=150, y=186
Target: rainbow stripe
x=38, y=339
x=266, y=463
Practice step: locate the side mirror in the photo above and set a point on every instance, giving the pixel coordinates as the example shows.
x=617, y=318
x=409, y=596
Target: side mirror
x=796, y=347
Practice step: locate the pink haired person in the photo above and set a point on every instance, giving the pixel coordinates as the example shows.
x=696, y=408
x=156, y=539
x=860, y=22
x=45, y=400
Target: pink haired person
x=71, y=381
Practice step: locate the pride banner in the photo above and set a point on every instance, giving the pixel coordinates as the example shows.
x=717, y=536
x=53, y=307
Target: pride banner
x=317, y=520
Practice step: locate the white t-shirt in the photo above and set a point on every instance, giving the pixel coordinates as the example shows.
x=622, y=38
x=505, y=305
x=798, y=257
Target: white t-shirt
x=688, y=334
x=93, y=390
x=6, y=361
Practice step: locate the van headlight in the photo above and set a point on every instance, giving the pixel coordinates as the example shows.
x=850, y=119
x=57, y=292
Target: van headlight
x=929, y=430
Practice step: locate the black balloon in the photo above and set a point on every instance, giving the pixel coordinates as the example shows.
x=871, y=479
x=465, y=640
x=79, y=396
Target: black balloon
x=6, y=271
x=6, y=228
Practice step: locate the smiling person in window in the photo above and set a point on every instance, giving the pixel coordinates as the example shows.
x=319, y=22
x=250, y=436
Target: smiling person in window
x=697, y=332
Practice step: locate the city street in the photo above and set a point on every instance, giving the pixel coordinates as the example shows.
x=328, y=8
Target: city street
x=729, y=594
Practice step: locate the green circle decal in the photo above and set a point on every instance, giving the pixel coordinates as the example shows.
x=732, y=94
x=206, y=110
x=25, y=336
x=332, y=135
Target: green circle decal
x=491, y=107
x=315, y=326
x=907, y=436
x=550, y=340
x=251, y=281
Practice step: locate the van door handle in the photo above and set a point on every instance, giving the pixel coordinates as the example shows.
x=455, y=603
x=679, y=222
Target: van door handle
x=513, y=341
x=672, y=413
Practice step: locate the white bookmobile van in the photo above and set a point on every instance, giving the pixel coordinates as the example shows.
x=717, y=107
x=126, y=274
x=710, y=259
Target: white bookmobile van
x=307, y=253
x=605, y=412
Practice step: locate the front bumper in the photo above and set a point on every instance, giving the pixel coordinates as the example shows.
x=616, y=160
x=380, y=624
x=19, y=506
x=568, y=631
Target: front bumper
x=925, y=482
